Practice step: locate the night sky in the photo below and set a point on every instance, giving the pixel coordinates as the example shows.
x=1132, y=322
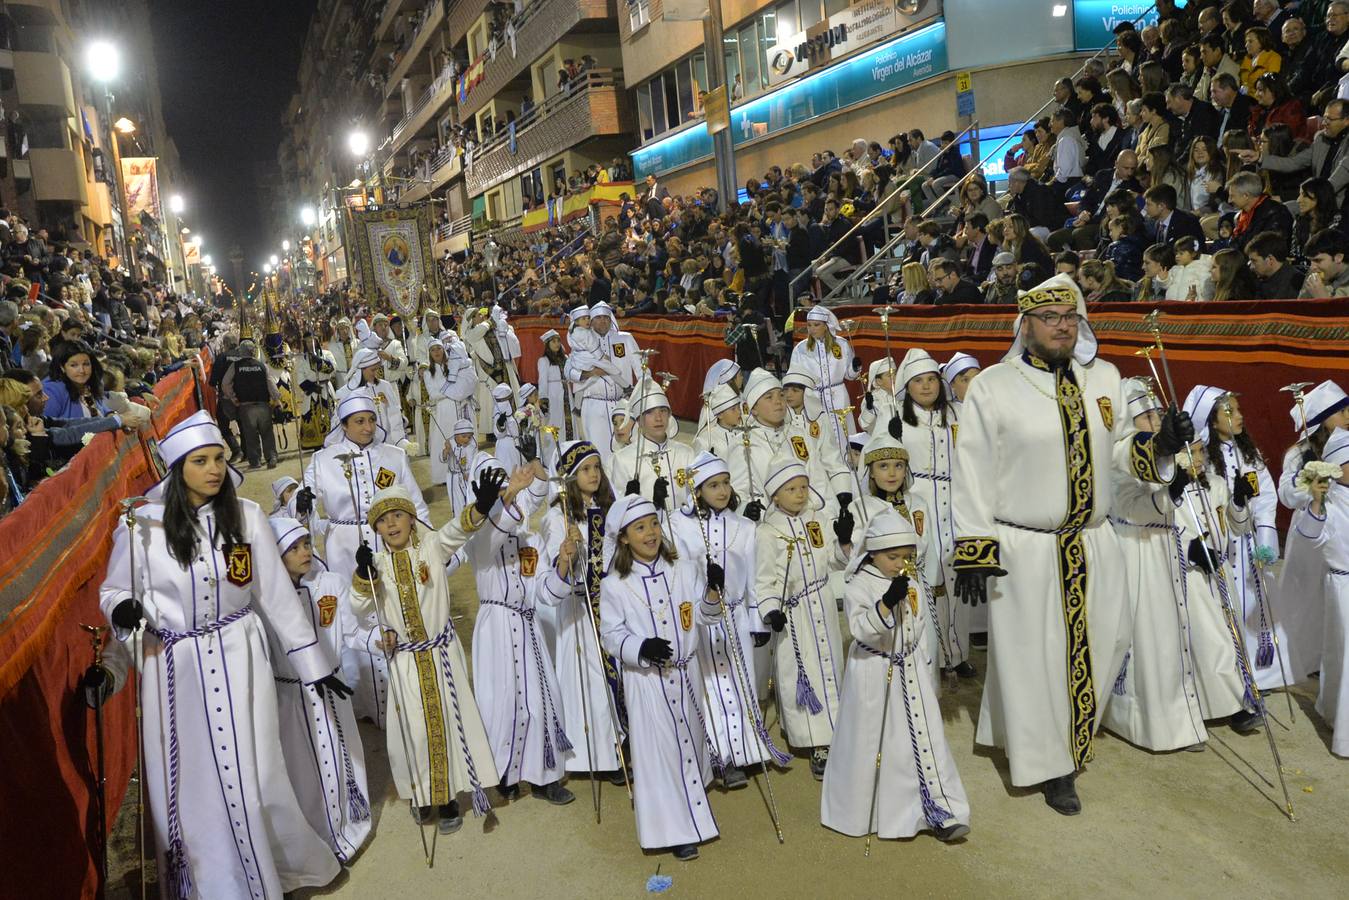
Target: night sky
x=226, y=71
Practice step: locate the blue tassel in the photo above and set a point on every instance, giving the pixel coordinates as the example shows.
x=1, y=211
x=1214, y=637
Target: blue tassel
x=481, y=806
x=1118, y=690
x=549, y=760
x=718, y=766
x=773, y=752
x=1264, y=657
x=560, y=737
x=176, y=869
x=934, y=814
x=356, y=802
x=805, y=694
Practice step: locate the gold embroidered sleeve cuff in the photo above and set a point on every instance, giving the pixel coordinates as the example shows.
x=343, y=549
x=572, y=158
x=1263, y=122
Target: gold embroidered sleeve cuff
x=363, y=587
x=466, y=520
x=976, y=553
x=1143, y=459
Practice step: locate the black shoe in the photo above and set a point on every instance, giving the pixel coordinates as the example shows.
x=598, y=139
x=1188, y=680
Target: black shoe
x=686, y=852
x=819, y=758
x=1245, y=722
x=421, y=814
x=450, y=820
x=271, y=464
x=966, y=670
x=615, y=777
x=554, y=793
x=1196, y=748
x=979, y=639
x=733, y=777
x=236, y=458
x=1061, y=795
x=508, y=791
x=953, y=832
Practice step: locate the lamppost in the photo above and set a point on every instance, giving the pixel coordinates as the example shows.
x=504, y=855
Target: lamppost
x=491, y=255
x=237, y=261
x=104, y=62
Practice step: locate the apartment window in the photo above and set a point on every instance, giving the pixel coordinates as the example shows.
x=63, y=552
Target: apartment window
x=749, y=60
x=809, y=14
x=659, y=121
x=786, y=21
x=644, y=111
x=699, y=73
x=835, y=6
x=671, y=88
x=732, y=58
x=639, y=13
x=684, y=84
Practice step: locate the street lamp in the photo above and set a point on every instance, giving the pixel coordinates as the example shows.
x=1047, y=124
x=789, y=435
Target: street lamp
x=176, y=204
x=124, y=126
x=272, y=259
x=307, y=216
x=206, y=260
x=196, y=241
x=267, y=268
x=358, y=142
x=285, y=246
x=104, y=60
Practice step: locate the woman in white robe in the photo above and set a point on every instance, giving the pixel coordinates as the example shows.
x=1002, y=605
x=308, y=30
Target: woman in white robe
x=438, y=748
x=654, y=607
x=517, y=689
x=592, y=698
x=367, y=376
x=891, y=771
x=373, y=465
x=829, y=358
x=554, y=388
x=443, y=393
x=197, y=567
x=708, y=528
x=319, y=735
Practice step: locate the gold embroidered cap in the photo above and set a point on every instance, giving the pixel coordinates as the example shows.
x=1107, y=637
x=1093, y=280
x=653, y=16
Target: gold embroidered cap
x=1046, y=294
x=389, y=499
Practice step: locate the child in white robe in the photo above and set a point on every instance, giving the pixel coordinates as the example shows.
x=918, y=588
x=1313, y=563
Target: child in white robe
x=889, y=704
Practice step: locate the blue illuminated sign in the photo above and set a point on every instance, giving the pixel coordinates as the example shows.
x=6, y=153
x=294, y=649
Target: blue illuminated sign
x=1094, y=21
x=899, y=63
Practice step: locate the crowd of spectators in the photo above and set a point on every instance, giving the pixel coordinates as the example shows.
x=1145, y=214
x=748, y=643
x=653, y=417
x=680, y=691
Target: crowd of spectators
x=81, y=348
x=1204, y=158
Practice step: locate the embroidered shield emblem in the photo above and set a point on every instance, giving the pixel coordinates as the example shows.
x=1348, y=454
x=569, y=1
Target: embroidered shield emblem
x=327, y=610
x=918, y=521
x=384, y=478
x=799, y=448
x=239, y=565
x=620, y=350
x=529, y=561
x=814, y=429
x=1107, y=412
x=1253, y=480
x=816, y=534
x=686, y=616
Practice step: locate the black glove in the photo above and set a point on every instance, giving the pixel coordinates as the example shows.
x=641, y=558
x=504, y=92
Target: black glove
x=844, y=500
x=487, y=490
x=333, y=684
x=97, y=686
x=972, y=584
x=760, y=638
x=365, y=562
x=1176, y=433
x=656, y=650
x=843, y=526
x=716, y=577
x=660, y=492
x=543, y=405
x=896, y=592
x=775, y=620
x=304, y=502
x=634, y=487
x=127, y=614
x=1179, y=484
x=501, y=422
x=754, y=510
x=1242, y=491
x=309, y=387
x=1200, y=556
x=896, y=428
x=871, y=402
x=529, y=447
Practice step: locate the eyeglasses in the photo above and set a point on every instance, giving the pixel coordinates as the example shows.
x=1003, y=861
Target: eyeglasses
x=1054, y=319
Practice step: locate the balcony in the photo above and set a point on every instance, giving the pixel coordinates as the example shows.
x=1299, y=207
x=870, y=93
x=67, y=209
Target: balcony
x=432, y=101
x=597, y=108
x=454, y=237
x=391, y=10
x=43, y=84
x=463, y=13
x=433, y=174
x=34, y=12
x=58, y=175
x=416, y=44
x=539, y=27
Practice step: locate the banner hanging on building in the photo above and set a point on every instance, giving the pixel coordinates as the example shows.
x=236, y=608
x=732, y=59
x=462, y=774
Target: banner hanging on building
x=141, y=177
x=394, y=261
x=191, y=254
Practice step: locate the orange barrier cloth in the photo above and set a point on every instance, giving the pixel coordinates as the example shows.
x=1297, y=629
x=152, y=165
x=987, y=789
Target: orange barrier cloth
x=53, y=553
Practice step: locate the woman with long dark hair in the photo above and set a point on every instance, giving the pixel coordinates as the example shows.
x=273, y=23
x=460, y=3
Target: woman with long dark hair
x=588, y=678
x=74, y=384
x=1316, y=211
x=204, y=561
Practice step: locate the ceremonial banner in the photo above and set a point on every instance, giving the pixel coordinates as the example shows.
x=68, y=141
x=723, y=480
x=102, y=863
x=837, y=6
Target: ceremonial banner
x=142, y=187
x=191, y=254
x=393, y=256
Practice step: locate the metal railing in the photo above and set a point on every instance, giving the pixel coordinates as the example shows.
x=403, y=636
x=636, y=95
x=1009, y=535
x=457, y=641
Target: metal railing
x=445, y=77
x=570, y=248
x=880, y=209
x=885, y=251
x=578, y=87
x=444, y=232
